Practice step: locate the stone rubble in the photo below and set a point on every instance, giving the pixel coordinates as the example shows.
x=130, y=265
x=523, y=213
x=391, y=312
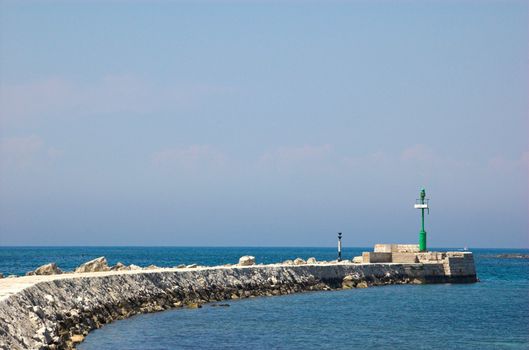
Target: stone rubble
x=299, y=261
x=358, y=260
x=48, y=269
x=120, y=267
x=96, y=265
x=247, y=260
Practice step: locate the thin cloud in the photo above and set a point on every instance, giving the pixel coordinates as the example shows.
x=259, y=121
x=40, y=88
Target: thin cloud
x=23, y=151
x=111, y=94
x=189, y=158
x=295, y=154
x=504, y=164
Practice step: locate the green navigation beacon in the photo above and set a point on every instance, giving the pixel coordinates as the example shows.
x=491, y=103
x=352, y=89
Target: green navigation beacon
x=422, y=203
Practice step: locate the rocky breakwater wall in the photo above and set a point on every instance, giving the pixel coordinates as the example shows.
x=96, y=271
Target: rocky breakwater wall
x=57, y=311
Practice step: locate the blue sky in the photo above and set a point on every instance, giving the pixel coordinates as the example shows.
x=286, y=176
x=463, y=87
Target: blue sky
x=263, y=123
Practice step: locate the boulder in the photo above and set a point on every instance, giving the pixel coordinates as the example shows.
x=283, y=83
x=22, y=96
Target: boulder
x=96, y=265
x=299, y=261
x=181, y=266
x=12, y=276
x=77, y=338
x=48, y=269
x=362, y=284
x=348, y=282
x=193, y=305
x=192, y=266
x=247, y=260
x=311, y=261
x=134, y=267
x=358, y=260
x=119, y=267
x=1, y=275
x=151, y=267
x=288, y=262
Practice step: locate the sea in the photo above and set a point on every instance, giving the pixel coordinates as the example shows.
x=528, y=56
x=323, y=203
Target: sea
x=490, y=314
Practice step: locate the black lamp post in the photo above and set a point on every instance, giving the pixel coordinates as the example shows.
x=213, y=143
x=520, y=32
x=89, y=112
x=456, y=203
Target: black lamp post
x=339, y=246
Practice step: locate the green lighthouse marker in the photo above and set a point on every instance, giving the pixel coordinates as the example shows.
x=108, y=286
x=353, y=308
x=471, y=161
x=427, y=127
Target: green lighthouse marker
x=422, y=203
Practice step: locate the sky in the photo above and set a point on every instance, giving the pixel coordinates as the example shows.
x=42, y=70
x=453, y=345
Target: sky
x=254, y=123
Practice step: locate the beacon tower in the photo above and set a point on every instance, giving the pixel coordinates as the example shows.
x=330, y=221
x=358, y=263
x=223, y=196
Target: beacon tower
x=422, y=204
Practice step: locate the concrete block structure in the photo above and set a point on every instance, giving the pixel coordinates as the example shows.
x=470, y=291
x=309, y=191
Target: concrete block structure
x=376, y=257
x=404, y=258
x=396, y=248
x=453, y=263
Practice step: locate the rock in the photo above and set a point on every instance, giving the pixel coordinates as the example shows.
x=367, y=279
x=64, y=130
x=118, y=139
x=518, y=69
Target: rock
x=134, y=267
x=119, y=267
x=311, y=261
x=247, y=260
x=181, y=266
x=358, y=260
x=348, y=282
x=48, y=269
x=288, y=262
x=299, y=261
x=362, y=284
x=77, y=338
x=96, y=265
x=12, y=276
x=220, y=305
x=194, y=305
x=44, y=334
x=1, y=275
x=192, y=266
x=151, y=267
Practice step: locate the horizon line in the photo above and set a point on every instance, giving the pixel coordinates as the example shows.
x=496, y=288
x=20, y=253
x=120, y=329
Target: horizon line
x=227, y=246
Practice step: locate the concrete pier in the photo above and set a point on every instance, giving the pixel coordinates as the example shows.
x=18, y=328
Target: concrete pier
x=58, y=311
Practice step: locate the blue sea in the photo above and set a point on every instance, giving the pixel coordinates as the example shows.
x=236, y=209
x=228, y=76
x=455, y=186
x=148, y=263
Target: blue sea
x=491, y=314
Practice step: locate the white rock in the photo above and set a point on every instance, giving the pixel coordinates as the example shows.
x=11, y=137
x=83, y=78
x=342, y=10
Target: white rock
x=192, y=266
x=247, y=260
x=358, y=260
x=120, y=267
x=299, y=261
x=134, y=267
x=48, y=269
x=96, y=265
x=311, y=261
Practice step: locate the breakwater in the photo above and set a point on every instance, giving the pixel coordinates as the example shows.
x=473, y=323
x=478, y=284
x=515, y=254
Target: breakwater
x=57, y=311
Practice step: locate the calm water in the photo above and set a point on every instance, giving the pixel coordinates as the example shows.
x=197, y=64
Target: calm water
x=492, y=314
